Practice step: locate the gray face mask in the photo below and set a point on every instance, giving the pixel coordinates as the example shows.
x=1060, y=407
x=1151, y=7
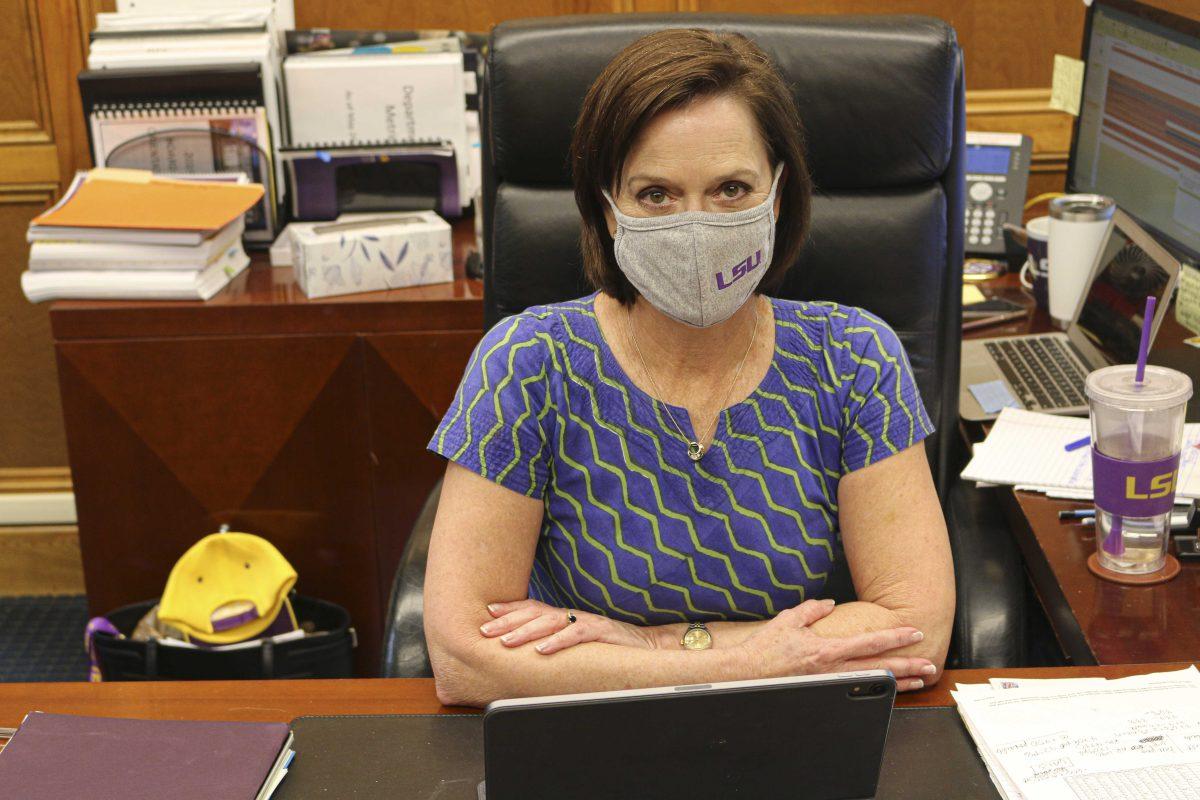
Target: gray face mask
x=697, y=267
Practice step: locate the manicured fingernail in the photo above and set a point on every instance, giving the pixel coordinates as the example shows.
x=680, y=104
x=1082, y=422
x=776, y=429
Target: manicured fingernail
x=487, y=627
x=829, y=601
x=918, y=636
x=506, y=638
x=928, y=669
x=494, y=608
x=541, y=648
x=917, y=684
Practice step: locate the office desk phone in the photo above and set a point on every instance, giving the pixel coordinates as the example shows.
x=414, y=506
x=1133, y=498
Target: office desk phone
x=997, y=174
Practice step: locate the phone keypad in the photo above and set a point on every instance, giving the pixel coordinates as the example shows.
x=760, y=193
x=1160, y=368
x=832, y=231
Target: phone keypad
x=983, y=223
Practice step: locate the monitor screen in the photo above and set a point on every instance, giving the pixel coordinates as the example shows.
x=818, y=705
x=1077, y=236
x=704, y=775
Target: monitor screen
x=1138, y=134
x=987, y=159
x=1112, y=312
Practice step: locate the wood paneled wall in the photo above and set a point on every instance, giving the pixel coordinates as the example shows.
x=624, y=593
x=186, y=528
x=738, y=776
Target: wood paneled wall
x=1007, y=45
x=41, y=145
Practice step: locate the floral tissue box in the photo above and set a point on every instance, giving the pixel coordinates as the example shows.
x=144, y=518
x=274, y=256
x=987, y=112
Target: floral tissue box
x=385, y=251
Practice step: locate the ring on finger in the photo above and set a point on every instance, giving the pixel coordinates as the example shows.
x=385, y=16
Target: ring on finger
x=571, y=618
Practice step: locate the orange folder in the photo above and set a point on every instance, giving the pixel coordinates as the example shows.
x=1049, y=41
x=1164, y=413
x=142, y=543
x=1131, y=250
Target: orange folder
x=135, y=199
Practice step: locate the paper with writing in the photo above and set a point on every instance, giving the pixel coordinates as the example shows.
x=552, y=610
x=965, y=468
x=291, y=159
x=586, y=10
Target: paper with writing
x=1125, y=739
x=1028, y=449
x=1066, y=84
x=1187, y=302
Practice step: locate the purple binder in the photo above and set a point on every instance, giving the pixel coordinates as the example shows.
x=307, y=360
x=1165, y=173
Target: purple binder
x=55, y=756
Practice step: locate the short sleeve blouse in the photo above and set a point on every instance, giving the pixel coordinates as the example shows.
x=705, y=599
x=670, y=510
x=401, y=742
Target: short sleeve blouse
x=634, y=529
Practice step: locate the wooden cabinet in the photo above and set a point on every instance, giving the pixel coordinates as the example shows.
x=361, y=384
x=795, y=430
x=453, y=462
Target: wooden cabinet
x=302, y=421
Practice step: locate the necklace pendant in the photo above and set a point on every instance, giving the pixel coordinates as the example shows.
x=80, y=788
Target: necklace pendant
x=695, y=451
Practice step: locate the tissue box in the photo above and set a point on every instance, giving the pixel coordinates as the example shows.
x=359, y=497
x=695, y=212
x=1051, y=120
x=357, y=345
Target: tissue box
x=386, y=251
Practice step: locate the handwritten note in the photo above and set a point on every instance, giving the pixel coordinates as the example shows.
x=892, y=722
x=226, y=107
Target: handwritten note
x=1028, y=449
x=1126, y=739
x=1066, y=87
x=1187, y=303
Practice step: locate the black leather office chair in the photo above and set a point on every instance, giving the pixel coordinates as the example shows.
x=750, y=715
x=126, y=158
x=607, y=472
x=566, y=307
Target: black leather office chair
x=882, y=102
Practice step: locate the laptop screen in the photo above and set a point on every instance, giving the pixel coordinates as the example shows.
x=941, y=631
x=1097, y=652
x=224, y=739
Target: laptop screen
x=1111, y=316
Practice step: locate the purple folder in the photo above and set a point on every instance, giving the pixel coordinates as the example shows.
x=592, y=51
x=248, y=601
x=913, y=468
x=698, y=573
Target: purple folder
x=54, y=756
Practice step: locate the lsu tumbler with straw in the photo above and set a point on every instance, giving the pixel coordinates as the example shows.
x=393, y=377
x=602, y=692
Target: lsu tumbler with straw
x=1137, y=414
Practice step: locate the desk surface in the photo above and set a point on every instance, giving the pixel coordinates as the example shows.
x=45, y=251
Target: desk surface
x=1097, y=622
x=283, y=701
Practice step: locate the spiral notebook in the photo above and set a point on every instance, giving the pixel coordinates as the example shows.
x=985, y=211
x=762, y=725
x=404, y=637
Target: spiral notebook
x=1046, y=453
x=195, y=112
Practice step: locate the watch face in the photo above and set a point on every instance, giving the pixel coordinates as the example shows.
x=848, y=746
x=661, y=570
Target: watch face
x=697, y=639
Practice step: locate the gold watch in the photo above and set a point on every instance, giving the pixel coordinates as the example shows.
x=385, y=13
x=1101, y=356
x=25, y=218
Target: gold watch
x=697, y=637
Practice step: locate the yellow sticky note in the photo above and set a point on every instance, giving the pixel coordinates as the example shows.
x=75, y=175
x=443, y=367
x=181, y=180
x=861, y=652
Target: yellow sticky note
x=971, y=294
x=1187, y=303
x=1067, y=87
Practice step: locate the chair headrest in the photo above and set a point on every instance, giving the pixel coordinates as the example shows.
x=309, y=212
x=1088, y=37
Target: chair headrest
x=875, y=93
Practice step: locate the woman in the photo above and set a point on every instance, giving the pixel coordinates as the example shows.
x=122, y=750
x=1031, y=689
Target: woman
x=651, y=485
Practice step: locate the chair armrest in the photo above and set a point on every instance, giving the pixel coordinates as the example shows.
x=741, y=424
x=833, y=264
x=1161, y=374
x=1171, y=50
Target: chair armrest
x=405, y=654
x=989, y=620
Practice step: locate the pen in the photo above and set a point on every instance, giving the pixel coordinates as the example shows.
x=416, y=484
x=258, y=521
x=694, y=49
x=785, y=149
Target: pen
x=1078, y=443
x=1180, y=520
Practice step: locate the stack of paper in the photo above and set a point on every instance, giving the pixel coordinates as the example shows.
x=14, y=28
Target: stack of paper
x=1029, y=450
x=1135, y=738
x=128, y=234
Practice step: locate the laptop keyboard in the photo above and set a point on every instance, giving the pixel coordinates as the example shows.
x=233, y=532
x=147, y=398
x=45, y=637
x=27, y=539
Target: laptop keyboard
x=1044, y=371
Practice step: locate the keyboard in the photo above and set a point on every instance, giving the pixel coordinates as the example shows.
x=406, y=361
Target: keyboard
x=1046, y=372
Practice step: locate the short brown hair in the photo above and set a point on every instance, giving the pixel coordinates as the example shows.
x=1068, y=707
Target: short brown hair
x=667, y=70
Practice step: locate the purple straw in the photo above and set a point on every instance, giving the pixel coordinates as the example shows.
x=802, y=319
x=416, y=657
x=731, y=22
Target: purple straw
x=1115, y=541
x=1144, y=345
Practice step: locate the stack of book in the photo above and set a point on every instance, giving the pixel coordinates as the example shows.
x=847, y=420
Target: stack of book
x=125, y=234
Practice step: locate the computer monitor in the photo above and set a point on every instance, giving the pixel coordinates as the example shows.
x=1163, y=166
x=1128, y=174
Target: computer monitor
x=1137, y=138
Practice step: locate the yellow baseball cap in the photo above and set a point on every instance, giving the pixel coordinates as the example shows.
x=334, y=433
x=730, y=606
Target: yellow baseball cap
x=228, y=587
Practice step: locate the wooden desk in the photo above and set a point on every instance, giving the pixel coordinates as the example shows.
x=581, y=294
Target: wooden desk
x=283, y=701
x=1095, y=621
x=304, y=421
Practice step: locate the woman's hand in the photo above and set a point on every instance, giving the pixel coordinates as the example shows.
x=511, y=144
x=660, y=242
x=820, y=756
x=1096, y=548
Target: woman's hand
x=787, y=646
x=525, y=621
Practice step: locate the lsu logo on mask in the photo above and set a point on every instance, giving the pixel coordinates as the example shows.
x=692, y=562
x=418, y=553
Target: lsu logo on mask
x=739, y=270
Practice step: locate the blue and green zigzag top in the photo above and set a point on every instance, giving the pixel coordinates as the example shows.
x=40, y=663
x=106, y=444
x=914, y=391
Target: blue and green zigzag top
x=635, y=530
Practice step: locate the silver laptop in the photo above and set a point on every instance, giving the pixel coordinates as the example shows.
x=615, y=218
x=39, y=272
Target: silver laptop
x=820, y=737
x=1046, y=372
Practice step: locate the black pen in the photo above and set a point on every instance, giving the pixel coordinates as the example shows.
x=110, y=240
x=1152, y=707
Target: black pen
x=1180, y=520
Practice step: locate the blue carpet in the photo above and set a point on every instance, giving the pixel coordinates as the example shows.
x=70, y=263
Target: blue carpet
x=41, y=638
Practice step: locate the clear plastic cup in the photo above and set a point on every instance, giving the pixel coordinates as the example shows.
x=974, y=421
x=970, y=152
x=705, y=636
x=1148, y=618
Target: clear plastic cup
x=1137, y=431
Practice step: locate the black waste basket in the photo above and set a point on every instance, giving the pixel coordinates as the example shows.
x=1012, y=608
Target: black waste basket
x=325, y=654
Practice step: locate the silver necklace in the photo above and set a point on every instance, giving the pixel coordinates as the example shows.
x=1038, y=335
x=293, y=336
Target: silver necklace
x=695, y=450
